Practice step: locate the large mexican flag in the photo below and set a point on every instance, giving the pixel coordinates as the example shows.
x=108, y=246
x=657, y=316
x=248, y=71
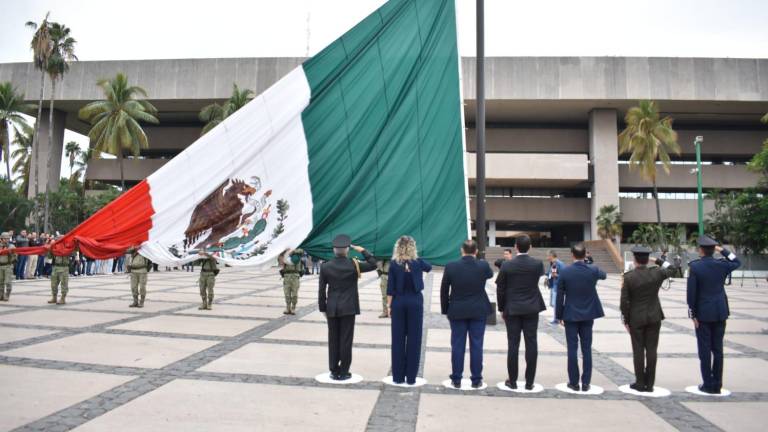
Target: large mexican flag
x=365, y=138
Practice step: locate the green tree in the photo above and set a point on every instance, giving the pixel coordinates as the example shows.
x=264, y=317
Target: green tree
x=115, y=121
x=14, y=207
x=609, y=222
x=648, y=138
x=214, y=113
x=22, y=157
x=41, y=52
x=12, y=105
x=62, y=52
x=72, y=151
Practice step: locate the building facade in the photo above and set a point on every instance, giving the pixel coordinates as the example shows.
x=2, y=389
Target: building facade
x=552, y=125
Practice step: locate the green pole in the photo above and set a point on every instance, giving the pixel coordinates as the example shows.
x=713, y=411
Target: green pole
x=697, y=143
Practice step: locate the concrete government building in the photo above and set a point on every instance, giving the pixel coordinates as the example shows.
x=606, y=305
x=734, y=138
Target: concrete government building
x=552, y=126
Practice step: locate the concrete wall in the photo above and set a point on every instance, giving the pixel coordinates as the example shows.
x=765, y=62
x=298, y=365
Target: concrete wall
x=133, y=169
x=531, y=140
x=174, y=138
x=672, y=211
x=680, y=177
x=744, y=143
x=712, y=79
x=603, y=152
x=531, y=169
x=560, y=210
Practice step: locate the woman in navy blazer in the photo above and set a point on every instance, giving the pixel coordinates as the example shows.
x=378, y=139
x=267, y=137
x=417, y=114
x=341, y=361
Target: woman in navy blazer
x=406, y=307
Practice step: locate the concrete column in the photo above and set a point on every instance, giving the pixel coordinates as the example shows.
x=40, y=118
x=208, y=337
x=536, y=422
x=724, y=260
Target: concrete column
x=587, y=232
x=52, y=176
x=604, y=158
x=492, y=233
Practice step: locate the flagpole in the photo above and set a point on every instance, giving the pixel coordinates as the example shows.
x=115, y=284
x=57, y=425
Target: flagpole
x=480, y=128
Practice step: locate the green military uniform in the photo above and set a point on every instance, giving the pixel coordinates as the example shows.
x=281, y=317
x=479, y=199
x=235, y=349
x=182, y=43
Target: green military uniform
x=208, y=271
x=383, y=271
x=59, y=277
x=137, y=267
x=292, y=272
x=6, y=268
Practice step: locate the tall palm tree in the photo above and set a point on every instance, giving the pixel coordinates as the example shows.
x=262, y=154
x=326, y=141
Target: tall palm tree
x=22, y=156
x=214, y=113
x=41, y=52
x=72, y=150
x=115, y=121
x=83, y=158
x=11, y=106
x=608, y=222
x=649, y=138
x=62, y=53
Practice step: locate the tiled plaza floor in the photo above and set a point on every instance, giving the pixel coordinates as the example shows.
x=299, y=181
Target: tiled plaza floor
x=97, y=365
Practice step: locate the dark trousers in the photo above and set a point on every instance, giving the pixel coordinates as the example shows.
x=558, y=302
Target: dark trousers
x=40, y=268
x=645, y=341
x=709, y=337
x=341, y=332
x=528, y=325
x=407, y=319
x=460, y=329
x=575, y=332
x=21, y=266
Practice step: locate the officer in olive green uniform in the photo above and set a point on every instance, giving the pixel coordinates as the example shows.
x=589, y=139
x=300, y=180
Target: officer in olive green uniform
x=208, y=271
x=137, y=268
x=291, y=271
x=7, y=261
x=59, y=276
x=383, y=271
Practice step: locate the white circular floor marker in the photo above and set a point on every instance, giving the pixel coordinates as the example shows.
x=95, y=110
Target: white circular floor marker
x=537, y=388
x=325, y=378
x=695, y=390
x=466, y=385
x=593, y=390
x=419, y=382
x=656, y=393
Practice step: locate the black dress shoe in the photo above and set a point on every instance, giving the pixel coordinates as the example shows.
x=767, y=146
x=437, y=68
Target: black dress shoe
x=529, y=386
x=477, y=385
x=648, y=389
x=708, y=390
x=511, y=384
x=574, y=387
x=637, y=387
x=333, y=376
x=585, y=387
x=344, y=376
x=456, y=384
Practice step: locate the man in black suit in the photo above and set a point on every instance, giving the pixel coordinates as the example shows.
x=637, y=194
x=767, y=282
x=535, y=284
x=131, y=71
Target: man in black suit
x=520, y=301
x=464, y=300
x=338, y=299
x=642, y=314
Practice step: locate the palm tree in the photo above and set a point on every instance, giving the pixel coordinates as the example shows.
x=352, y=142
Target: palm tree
x=23, y=156
x=648, y=138
x=83, y=158
x=609, y=222
x=62, y=53
x=214, y=113
x=11, y=106
x=115, y=121
x=71, y=150
x=41, y=51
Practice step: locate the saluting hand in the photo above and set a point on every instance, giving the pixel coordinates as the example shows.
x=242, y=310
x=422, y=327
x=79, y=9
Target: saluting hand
x=359, y=249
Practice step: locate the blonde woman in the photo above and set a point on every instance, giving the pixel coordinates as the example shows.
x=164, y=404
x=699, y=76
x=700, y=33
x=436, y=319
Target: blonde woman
x=406, y=308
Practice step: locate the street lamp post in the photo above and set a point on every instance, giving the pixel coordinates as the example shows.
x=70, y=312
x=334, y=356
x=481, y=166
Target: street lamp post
x=697, y=143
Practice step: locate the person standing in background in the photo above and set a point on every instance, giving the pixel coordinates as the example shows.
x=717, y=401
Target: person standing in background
x=553, y=271
x=383, y=272
x=21, y=264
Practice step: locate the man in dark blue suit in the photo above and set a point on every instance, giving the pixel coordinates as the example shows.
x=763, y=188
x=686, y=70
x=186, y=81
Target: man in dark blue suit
x=708, y=307
x=578, y=305
x=464, y=300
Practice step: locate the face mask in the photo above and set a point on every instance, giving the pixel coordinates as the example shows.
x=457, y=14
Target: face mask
x=295, y=259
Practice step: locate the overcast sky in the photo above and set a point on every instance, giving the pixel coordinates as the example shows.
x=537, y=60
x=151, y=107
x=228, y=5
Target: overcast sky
x=155, y=29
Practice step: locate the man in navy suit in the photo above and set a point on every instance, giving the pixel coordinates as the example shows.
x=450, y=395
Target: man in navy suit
x=520, y=302
x=464, y=300
x=708, y=307
x=578, y=305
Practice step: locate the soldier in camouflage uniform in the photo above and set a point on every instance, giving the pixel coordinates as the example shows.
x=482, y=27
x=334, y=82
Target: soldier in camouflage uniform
x=59, y=276
x=208, y=271
x=137, y=268
x=7, y=262
x=383, y=271
x=291, y=272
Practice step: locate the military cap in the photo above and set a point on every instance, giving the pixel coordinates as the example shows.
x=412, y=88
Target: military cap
x=641, y=250
x=706, y=241
x=342, y=241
